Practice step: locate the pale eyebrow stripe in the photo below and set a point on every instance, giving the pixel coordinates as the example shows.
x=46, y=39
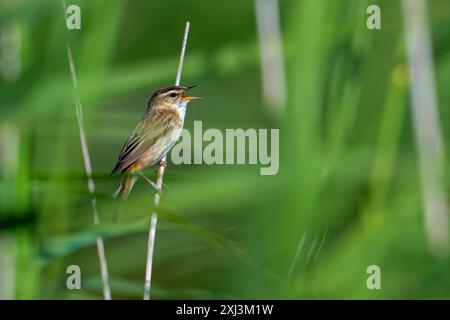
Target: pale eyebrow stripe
x=172, y=91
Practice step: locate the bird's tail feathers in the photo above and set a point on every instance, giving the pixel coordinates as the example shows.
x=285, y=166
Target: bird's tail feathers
x=125, y=186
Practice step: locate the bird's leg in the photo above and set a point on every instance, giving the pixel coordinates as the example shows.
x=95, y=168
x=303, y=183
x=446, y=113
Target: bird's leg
x=150, y=182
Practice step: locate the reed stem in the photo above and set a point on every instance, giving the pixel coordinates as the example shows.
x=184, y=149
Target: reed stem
x=159, y=182
x=91, y=184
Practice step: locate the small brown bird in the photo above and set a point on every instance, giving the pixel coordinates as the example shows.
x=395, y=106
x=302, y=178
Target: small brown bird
x=153, y=137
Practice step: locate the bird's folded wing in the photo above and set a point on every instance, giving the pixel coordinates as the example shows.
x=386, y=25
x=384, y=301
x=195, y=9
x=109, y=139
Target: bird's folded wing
x=147, y=132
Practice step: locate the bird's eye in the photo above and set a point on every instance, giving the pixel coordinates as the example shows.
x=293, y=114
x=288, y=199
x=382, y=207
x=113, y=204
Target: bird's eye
x=173, y=95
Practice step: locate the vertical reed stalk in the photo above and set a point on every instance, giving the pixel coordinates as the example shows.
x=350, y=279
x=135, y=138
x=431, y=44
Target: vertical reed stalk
x=91, y=184
x=271, y=51
x=159, y=183
x=426, y=124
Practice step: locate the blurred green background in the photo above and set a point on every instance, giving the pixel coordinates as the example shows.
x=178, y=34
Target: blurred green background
x=347, y=195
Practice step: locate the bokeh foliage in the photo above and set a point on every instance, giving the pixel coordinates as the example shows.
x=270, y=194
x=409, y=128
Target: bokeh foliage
x=347, y=195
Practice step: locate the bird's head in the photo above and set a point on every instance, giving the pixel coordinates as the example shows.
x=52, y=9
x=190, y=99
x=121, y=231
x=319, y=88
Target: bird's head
x=174, y=96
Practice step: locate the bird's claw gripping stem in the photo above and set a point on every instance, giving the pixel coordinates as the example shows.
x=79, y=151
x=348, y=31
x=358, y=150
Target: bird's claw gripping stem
x=162, y=163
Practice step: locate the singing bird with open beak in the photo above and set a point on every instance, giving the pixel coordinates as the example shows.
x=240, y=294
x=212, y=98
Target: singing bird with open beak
x=153, y=137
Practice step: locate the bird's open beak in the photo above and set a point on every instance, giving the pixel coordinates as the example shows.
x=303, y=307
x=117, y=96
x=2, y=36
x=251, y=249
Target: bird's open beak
x=187, y=98
x=190, y=98
x=192, y=87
